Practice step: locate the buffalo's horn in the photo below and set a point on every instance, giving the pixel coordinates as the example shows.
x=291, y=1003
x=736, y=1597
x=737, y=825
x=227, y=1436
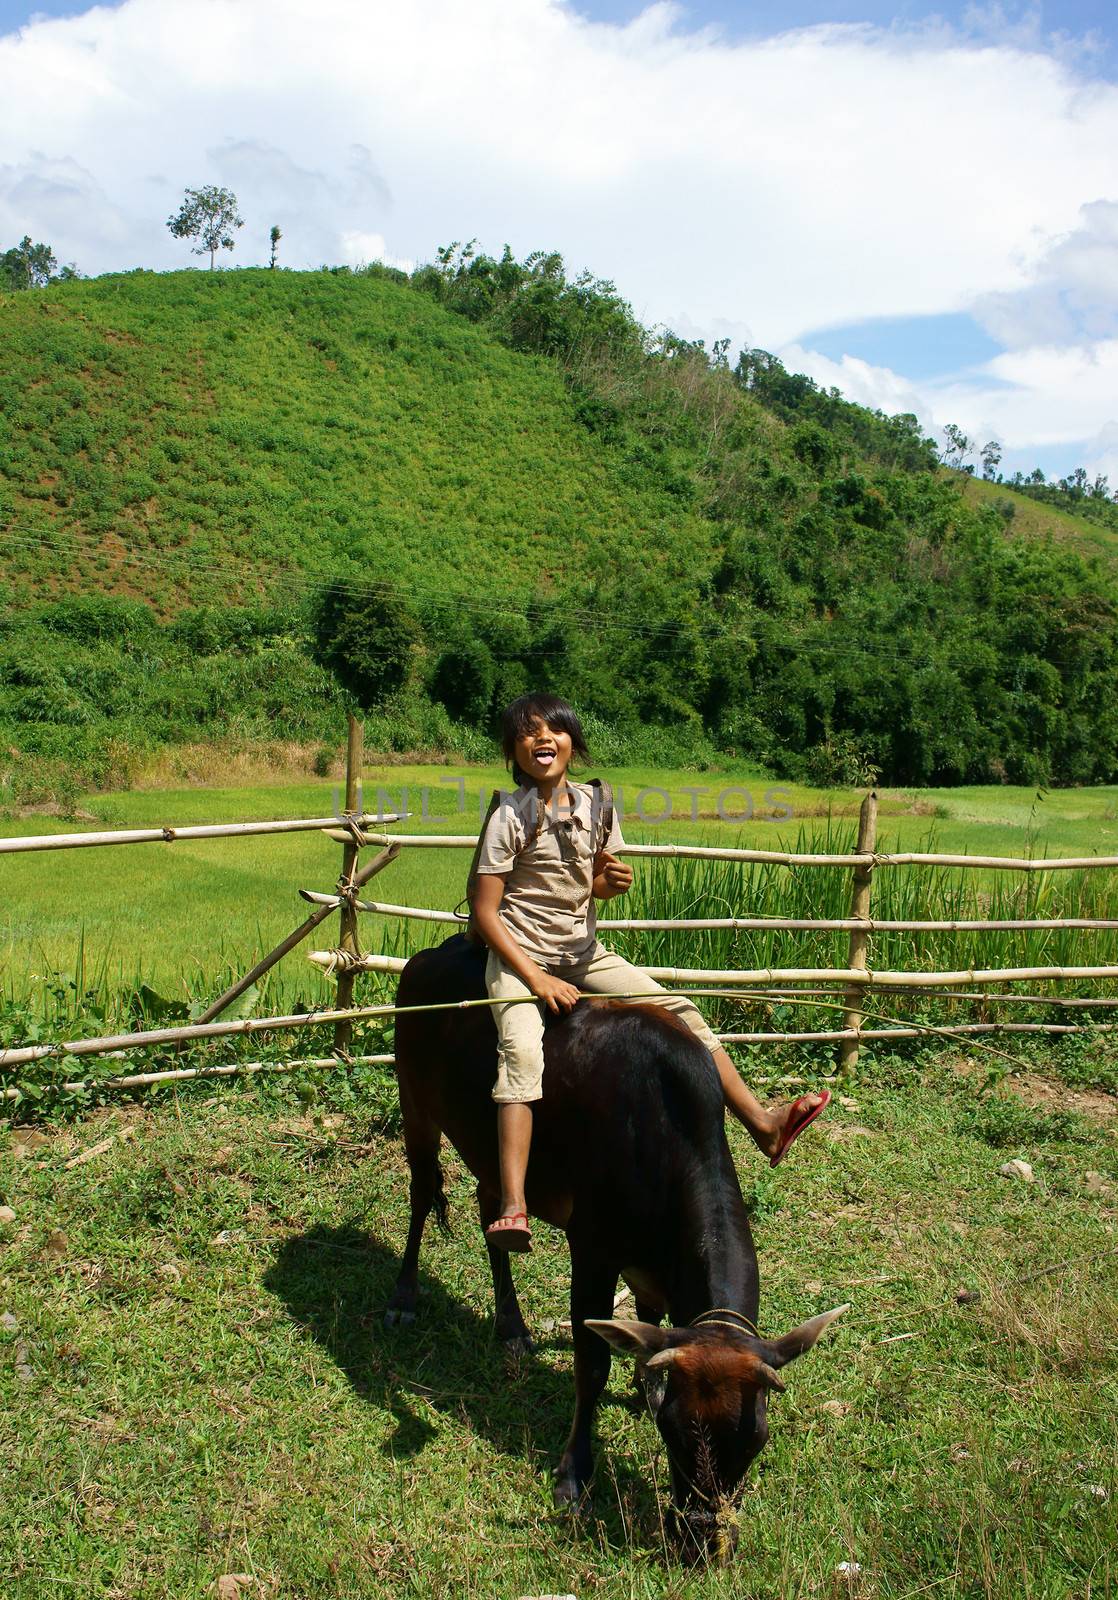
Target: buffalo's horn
x=663, y=1358
x=767, y=1377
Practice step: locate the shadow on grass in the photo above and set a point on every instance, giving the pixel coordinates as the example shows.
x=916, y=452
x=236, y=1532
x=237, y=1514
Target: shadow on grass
x=336, y=1282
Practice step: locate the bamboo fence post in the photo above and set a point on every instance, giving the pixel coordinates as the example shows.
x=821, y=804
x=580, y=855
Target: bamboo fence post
x=347, y=914
x=859, y=937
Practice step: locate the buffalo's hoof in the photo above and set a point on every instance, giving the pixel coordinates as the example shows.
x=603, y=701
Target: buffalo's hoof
x=398, y=1316
x=570, y=1495
x=518, y=1345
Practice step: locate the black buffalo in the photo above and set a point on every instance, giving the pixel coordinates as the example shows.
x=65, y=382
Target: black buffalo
x=630, y=1159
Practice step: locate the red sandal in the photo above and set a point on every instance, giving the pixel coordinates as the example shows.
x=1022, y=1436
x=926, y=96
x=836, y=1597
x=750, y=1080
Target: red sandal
x=510, y=1233
x=800, y=1117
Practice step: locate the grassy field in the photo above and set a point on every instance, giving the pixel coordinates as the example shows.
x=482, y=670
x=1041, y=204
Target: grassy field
x=195, y=1381
x=195, y=1384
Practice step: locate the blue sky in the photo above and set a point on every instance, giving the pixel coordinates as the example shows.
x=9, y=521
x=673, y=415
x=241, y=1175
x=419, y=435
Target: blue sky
x=762, y=18
x=921, y=210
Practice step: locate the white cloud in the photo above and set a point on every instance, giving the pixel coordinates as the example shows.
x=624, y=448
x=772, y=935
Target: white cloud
x=1101, y=456
x=807, y=180
x=358, y=249
x=1040, y=397
x=1074, y=292
x=1056, y=386
x=1031, y=401
x=877, y=387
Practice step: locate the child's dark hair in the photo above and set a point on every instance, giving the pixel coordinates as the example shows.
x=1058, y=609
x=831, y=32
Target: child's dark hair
x=522, y=716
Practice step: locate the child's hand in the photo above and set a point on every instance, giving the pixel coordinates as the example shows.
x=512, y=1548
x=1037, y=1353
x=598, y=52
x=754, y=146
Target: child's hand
x=559, y=996
x=616, y=875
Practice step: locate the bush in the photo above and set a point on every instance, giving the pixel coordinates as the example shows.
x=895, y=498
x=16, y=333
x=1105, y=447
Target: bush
x=91, y=619
x=838, y=763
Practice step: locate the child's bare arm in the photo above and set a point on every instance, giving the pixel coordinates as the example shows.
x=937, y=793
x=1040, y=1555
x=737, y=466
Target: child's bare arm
x=612, y=876
x=560, y=996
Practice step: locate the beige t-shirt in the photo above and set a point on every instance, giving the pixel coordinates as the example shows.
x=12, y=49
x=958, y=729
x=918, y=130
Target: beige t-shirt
x=548, y=905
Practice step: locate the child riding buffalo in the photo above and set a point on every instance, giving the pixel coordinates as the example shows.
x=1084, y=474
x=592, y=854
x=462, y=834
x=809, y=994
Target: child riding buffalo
x=540, y=867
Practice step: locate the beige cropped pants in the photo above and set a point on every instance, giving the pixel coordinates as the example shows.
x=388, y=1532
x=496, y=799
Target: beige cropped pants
x=520, y=1027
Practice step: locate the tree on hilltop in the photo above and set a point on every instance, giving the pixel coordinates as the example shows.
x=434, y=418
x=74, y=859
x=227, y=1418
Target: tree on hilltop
x=27, y=265
x=990, y=455
x=274, y=238
x=209, y=215
x=957, y=448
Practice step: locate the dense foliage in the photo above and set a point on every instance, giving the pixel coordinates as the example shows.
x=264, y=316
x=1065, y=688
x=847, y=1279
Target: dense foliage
x=232, y=503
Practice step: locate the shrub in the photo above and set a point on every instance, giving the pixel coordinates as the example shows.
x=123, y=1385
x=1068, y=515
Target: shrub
x=94, y=618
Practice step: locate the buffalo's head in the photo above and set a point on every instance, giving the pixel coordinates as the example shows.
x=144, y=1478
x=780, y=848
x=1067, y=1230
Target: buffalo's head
x=708, y=1388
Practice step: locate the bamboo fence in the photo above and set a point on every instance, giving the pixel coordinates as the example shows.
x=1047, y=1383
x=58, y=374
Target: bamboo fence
x=849, y=986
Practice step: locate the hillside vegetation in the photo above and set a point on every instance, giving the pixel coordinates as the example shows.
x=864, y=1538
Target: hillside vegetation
x=232, y=504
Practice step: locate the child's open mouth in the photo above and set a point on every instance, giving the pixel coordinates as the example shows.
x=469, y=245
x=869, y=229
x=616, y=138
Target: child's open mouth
x=544, y=755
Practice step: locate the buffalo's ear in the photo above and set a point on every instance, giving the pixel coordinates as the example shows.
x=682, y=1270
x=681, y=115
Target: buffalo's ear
x=790, y=1345
x=639, y=1339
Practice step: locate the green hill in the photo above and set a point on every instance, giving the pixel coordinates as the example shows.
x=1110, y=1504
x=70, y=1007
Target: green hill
x=1036, y=520
x=199, y=436
x=233, y=503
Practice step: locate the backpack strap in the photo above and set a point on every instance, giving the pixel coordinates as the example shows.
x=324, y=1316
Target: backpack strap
x=496, y=800
x=601, y=812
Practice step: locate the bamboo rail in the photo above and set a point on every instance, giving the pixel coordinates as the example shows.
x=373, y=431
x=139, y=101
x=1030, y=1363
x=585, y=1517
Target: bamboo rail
x=204, y=830
x=143, y=1080
x=745, y=924
x=780, y=858
x=333, y=959
x=789, y=858
x=139, y=1080
x=855, y=1035
x=1110, y=1002
x=145, y=1038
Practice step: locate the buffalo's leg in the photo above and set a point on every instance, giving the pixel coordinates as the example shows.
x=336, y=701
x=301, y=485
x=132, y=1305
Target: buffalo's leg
x=421, y=1142
x=509, y=1324
x=592, y=1289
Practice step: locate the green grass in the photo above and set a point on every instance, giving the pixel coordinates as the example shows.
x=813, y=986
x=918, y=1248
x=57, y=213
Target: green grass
x=197, y=1383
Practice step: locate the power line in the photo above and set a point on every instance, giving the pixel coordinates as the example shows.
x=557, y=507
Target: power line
x=545, y=613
